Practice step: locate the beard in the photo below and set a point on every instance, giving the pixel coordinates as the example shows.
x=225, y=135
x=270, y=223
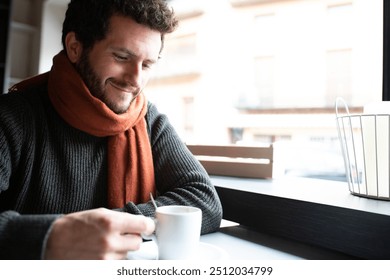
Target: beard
x=96, y=85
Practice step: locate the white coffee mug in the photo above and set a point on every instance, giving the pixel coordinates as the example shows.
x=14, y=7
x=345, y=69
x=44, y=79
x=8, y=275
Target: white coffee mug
x=177, y=232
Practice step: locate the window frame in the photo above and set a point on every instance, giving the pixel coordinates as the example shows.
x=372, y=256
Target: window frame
x=386, y=51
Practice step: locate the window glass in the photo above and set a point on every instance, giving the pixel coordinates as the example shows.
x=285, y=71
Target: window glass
x=256, y=72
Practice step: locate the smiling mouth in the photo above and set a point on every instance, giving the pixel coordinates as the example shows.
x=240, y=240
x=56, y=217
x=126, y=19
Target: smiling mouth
x=120, y=87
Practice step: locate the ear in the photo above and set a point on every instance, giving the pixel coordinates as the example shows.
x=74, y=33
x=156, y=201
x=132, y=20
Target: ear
x=73, y=47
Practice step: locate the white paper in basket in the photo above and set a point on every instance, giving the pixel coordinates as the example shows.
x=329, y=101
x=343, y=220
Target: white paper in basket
x=365, y=142
x=376, y=128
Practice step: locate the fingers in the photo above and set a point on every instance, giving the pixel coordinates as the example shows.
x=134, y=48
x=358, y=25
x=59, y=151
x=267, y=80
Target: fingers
x=150, y=226
x=123, y=243
x=131, y=227
x=100, y=234
x=124, y=223
x=137, y=224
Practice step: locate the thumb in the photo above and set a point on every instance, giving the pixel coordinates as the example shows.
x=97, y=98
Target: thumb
x=150, y=228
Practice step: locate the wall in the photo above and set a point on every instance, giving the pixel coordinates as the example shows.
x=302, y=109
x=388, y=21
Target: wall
x=53, y=16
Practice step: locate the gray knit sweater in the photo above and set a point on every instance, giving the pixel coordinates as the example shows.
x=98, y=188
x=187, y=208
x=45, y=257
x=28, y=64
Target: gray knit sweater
x=48, y=168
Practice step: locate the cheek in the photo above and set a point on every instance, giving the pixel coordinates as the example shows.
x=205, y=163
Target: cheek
x=115, y=70
x=104, y=68
x=107, y=71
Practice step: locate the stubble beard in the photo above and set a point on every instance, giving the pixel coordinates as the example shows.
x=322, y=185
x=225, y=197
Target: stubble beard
x=96, y=86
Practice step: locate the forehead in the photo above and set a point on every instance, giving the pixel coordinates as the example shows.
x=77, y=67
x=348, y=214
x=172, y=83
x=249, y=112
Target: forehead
x=126, y=33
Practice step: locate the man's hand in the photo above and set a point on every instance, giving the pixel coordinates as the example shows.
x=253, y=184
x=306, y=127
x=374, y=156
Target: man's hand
x=97, y=234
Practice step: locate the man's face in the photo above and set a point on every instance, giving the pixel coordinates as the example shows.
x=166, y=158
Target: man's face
x=117, y=68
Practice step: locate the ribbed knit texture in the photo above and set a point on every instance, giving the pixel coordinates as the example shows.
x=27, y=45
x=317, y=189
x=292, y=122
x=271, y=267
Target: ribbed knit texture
x=48, y=168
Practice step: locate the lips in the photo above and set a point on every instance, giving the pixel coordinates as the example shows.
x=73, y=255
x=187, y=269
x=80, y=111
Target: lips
x=121, y=87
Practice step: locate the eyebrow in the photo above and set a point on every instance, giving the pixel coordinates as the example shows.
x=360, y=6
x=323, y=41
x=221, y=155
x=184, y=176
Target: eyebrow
x=133, y=54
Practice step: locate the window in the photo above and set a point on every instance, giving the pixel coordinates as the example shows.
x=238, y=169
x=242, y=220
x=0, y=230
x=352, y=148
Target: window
x=264, y=81
x=270, y=71
x=264, y=34
x=188, y=117
x=338, y=76
x=339, y=26
x=339, y=33
x=182, y=50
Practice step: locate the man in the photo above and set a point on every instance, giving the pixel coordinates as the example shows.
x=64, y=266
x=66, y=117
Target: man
x=82, y=139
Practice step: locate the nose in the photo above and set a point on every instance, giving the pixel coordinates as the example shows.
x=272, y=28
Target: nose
x=133, y=75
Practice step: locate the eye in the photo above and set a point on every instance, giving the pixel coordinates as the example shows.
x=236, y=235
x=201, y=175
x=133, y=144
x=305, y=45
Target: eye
x=146, y=65
x=120, y=57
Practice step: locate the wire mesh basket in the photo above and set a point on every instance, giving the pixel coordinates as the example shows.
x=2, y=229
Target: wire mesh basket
x=365, y=144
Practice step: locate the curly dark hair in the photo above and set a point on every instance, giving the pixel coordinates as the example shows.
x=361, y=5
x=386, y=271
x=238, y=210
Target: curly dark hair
x=90, y=19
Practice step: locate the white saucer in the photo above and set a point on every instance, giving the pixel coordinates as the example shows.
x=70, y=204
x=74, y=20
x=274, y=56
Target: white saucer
x=149, y=251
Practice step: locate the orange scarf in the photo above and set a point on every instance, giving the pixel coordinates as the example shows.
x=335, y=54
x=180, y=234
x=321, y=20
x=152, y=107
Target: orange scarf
x=130, y=162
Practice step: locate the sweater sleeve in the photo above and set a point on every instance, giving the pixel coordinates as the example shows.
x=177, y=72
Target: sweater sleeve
x=21, y=236
x=180, y=178
x=24, y=236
